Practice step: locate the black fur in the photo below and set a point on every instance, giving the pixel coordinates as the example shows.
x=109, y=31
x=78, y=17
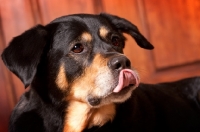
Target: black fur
x=127, y=27
x=165, y=107
x=36, y=55
x=22, y=59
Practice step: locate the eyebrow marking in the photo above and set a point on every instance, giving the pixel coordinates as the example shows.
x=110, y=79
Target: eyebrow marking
x=86, y=36
x=103, y=31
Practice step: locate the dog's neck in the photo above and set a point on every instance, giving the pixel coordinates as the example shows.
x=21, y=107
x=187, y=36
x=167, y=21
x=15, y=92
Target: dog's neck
x=81, y=116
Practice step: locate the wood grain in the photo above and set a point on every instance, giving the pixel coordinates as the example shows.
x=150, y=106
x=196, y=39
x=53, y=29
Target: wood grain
x=51, y=9
x=175, y=30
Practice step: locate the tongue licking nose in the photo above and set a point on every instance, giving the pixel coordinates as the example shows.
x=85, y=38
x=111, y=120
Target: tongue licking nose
x=126, y=78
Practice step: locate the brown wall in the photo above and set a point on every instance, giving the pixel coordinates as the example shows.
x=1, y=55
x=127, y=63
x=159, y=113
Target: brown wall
x=173, y=27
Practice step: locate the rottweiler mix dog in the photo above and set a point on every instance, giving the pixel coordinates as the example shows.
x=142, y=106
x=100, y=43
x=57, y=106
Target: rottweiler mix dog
x=80, y=80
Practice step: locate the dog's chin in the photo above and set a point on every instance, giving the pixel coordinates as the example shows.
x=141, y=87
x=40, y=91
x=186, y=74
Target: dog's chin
x=111, y=98
x=119, y=97
x=125, y=90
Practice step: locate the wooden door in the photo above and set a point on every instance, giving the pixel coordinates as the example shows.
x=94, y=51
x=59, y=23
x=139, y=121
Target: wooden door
x=173, y=27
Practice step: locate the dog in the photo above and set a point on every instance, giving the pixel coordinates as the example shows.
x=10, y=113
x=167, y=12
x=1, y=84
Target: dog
x=80, y=80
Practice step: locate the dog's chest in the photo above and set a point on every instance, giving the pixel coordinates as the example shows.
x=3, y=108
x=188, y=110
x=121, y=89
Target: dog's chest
x=80, y=116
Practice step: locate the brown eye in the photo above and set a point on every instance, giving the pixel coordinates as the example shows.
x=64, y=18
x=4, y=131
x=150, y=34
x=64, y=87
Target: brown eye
x=115, y=41
x=78, y=48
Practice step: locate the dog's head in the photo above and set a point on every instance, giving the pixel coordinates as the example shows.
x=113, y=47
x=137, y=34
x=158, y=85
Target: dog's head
x=78, y=55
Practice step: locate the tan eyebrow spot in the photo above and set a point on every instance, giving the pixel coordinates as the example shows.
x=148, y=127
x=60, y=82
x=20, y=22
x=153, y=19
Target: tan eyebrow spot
x=86, y=36
x=103, y=31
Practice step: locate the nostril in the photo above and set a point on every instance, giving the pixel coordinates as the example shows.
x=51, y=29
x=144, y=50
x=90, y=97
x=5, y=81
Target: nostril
x=128, y=64
x=118, y=66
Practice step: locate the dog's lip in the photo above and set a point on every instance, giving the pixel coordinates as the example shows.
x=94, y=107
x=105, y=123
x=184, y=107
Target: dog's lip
x=127, y=77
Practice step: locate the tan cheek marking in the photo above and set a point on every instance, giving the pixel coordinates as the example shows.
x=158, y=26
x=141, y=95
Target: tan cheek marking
x=103, y=32
x=79, y=114
x=61, y=79
x=87, y=37
x=85, y=84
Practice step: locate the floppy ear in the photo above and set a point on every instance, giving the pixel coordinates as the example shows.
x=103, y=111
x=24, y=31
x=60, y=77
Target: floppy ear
x=23, y=54
x=127, y=27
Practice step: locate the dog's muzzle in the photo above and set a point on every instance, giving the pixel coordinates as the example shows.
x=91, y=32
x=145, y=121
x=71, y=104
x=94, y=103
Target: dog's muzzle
x=127, y=77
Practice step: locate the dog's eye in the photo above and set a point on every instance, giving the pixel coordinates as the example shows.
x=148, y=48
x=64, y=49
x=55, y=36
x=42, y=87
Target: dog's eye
x=78, y=48
x=115, y=41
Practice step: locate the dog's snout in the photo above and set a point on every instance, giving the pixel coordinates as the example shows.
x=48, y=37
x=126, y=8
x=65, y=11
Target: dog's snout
x=119, y=63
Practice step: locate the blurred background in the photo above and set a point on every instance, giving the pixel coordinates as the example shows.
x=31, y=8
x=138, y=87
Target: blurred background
x=172, y=26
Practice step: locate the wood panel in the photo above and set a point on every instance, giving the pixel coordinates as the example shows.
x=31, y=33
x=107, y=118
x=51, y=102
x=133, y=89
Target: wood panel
x=51, y=9
x=6, y=96
x=175, y=30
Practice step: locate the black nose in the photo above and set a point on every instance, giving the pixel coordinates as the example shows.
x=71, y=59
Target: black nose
x=119, y=63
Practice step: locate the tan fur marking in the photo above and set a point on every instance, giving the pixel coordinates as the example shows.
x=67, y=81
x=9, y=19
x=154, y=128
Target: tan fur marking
x=103, y=31
x=102, y=115
x=77, y=113
x=86, y=36
x=61, y=79
x=80, y=114
x=85, y=84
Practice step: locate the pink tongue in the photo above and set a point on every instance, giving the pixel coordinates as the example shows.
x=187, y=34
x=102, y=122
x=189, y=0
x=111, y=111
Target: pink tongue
x=126, y=77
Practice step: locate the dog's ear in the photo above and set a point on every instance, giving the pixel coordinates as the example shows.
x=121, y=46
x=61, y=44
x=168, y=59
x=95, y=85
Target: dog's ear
x=23, y=54
x=127, y=27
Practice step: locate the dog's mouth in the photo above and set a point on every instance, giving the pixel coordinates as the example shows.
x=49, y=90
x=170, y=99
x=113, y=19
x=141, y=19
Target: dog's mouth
x=127, y=81
x=127, y=78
